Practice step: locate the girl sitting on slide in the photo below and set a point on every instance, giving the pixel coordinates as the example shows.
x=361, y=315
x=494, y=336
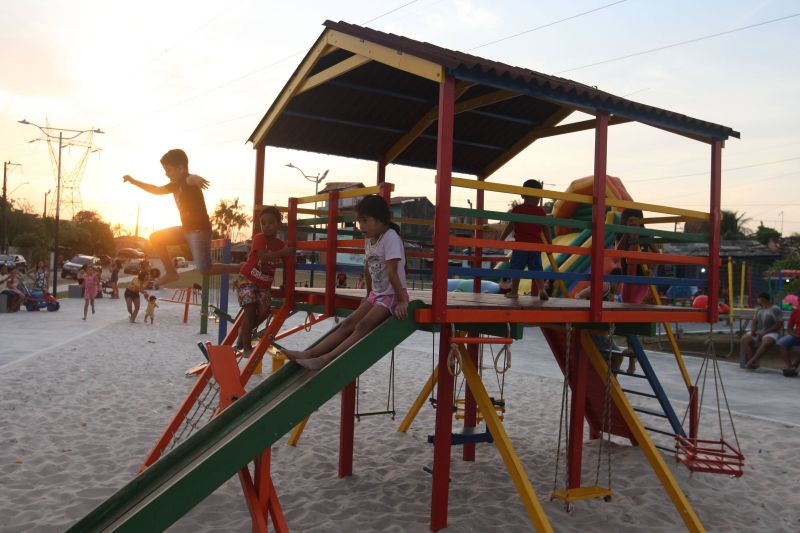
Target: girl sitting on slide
x=387, y=292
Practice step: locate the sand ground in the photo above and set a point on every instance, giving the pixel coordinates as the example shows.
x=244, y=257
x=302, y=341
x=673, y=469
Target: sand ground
x=83, y=402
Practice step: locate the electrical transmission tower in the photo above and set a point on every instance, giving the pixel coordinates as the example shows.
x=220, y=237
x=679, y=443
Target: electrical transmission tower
x=73, y=168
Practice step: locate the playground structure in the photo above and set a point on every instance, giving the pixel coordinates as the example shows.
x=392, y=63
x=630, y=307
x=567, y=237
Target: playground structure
x=435, y=108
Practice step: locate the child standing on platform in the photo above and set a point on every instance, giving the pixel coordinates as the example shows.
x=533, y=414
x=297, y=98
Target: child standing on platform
x=387, y=292
x=91, y=286
x=257, y=274
x=526, y=232
x=150, y=312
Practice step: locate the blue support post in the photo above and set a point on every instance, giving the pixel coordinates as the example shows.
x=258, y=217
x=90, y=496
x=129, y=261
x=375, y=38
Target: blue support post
x=224, y=287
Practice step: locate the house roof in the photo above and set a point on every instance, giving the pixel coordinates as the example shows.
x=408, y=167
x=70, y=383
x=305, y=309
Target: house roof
x=740, y=248
x=341, y=185
x=402, y=199
x=372, y=95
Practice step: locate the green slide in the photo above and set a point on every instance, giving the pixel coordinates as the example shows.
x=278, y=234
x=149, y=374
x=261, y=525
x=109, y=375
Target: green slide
x=174, y=484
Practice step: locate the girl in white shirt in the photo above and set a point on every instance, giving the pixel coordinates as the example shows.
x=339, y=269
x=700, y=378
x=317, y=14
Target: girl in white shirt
x=387, y=292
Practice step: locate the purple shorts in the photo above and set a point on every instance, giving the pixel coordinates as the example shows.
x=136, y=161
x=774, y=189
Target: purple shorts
x=389, y=301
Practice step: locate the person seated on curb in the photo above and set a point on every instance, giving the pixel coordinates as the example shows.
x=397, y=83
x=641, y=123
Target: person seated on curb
x=785, y=344
x=606, y=343
x=767, y=322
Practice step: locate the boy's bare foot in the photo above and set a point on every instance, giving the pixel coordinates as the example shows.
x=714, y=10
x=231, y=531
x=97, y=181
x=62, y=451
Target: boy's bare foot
x=297, y=355
x=543, y=296
x=167, y=278
x=511, y=295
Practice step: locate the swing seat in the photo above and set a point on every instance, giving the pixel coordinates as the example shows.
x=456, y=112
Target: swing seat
x=594, y=492
x=709, y=456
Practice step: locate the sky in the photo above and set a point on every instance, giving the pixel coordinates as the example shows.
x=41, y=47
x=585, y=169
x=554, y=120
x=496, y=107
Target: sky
x=199, y=75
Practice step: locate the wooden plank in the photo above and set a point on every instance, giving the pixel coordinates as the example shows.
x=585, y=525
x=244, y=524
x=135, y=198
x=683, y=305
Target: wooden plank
x=526, y=141
x=382, y=54
x=579, y=126
x=519, y=190
x=340, y=68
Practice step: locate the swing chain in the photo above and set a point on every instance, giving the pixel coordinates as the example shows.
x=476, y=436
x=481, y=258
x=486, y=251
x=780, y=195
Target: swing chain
x=308, y=322
x=505, y=351
x=563, y=419
x=605, y=421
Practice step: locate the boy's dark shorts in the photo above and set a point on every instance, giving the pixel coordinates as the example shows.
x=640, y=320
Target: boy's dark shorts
x=522, y=258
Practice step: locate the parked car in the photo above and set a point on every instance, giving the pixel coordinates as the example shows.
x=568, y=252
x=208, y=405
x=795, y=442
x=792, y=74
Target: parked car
x=129, y=253
x=71, y=267
x=180, y=262
x=14, y=260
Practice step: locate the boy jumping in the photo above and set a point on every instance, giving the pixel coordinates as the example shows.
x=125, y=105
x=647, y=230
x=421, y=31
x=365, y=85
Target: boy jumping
x=526, y=232
x=187, y=189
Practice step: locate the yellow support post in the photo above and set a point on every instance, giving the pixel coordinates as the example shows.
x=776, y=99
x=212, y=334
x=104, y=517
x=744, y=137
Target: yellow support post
x=679, y=500
x=297, y=431
x=730, y=291
x=741, y=284
x=526, y=492
x=419, y=402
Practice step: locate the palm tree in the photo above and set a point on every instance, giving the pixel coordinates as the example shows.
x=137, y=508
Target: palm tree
x=732, y=226
x=228, y=216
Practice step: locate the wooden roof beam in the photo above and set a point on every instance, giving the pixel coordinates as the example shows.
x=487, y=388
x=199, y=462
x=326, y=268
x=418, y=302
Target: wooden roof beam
x=334, y=71
x=433, y=115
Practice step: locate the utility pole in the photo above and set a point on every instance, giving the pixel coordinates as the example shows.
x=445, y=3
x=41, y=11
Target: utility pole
x=3, y=219
x=46, y=130
x=136, y=233
x=319, y=178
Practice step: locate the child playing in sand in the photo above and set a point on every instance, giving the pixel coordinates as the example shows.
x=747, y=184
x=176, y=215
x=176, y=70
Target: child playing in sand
x=387, y=292
x=132, y=294
x=257, y=274
x=91, y=286
x=150, y=312
x=187, y=189
x=526, y=232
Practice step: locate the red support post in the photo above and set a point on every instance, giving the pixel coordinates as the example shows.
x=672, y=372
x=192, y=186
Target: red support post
x=189, y=291
x=478, y=234
x=598, y=216
x=386, y=192
x=470, y=406
x=291, y=241
x=443, y=434
x=579, y=361
x=381, y=171
x=444, y=169
x=713, y=231
x=347, y=429
x=330, y=253
x=258, y=196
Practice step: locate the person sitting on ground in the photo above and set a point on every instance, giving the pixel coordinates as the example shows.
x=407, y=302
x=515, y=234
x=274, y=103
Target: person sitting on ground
x=195, y=229
x=526, y=232
x=791, y=339
x=387, y=292
x=767, y=322
x=605, y=343
x=13, y=297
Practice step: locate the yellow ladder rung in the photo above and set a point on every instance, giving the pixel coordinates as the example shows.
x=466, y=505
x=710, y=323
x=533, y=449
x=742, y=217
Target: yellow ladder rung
x=582, y=493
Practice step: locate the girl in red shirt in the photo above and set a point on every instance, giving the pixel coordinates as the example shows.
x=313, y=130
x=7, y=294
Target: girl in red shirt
x=257, y=273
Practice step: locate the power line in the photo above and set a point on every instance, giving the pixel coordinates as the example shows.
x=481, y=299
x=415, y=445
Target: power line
x=389, y=12
x=681, y=43
x=545, y=25
x=706, y=173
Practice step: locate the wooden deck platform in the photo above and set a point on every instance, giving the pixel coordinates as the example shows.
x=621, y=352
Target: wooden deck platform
x=481, y=307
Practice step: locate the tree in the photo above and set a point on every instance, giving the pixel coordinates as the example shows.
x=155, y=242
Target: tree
x=765, y=234
x=732, y=226
x=228, y=216
x=82, y=217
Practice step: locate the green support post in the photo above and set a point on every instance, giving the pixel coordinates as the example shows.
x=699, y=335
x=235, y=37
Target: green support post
x=204, y=306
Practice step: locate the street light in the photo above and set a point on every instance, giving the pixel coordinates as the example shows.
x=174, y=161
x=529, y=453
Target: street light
x=46, y=131
x=319, y=178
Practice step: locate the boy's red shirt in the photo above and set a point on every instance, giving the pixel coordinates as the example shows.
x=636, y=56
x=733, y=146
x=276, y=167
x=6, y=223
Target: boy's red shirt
x=526, y=231
x=794, y=321
x=261, y=272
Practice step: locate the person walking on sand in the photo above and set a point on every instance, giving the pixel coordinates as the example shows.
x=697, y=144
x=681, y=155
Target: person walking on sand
x=187, y=189
x=387, y=292
x=91, y=286
x=526, y=232
x=116, y=266
x=132, y=294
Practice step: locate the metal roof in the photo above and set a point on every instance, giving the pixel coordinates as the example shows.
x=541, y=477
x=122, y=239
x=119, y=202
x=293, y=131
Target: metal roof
x=370, y=95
